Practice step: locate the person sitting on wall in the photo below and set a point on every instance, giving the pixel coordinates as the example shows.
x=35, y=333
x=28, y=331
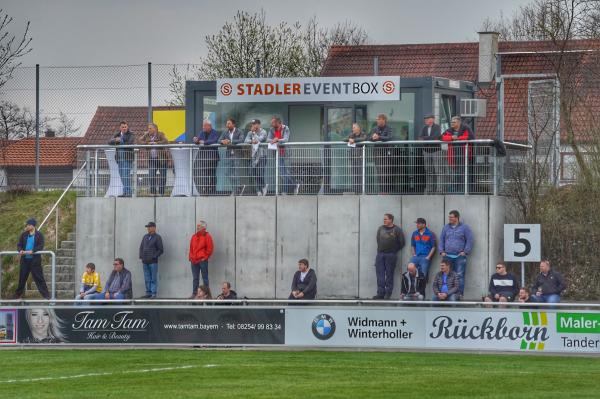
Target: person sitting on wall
x=227, y=292
x=548, y=284
x=118, y=285
x=413, y=284
x=204, y=292
x=304, y=283
x=90, y=283
x=504, y=286
x=524, y=296
x=445, y=284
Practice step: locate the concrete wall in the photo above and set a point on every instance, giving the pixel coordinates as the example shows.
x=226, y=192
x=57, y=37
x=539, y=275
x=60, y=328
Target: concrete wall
x=258, y=240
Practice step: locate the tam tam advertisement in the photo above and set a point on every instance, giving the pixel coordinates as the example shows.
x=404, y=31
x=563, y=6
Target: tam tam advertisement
x=350, y=88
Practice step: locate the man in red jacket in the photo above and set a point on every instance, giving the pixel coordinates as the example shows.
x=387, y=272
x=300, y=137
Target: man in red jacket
x=201, y=248
x=455, y=175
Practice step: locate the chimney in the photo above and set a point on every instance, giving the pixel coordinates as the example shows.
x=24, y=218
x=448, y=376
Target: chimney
x=50, y=133
x=488, y=48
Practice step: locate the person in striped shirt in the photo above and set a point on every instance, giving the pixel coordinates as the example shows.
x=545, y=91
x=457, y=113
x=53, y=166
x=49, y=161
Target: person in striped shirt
x=504, y=286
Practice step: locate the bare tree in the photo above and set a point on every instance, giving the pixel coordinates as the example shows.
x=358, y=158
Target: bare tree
x=12, y=47
x=15, y=122
x=65, y=126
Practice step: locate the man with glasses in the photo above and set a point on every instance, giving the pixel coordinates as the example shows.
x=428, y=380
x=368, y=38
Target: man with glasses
x=119, y=283
x=504, y=286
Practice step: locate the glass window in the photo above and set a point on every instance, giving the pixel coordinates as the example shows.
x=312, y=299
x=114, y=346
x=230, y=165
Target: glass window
x=243, y=113
x=401, y=115
x=447, y=110
x=339, y=123
x=306, y=122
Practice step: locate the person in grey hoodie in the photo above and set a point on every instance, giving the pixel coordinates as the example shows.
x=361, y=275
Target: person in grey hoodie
x=151, y=248
x=455, y=244
x=256, y=136
x=390, y=240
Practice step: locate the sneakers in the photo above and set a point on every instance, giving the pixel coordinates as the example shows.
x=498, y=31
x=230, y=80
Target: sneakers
x=297, y=189
x=387, y=296
x=145, y=296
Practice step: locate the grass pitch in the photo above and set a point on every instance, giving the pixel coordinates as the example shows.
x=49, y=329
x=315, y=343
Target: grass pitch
x=211, y=374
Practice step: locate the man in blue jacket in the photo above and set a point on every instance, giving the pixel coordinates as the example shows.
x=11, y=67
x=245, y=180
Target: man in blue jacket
x=30, y=242
x=205, y=166
x=423, y=247
x=456, y=243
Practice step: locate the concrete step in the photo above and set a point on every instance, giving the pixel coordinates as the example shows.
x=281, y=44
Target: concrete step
x=67, y=244
x=60, y=269
x=67, y=252
x=59, y=285
x=65, y=260
x=71, y=236
x=62, y=277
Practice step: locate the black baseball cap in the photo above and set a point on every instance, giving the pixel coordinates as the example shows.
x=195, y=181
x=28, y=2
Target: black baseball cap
x=151, y=224
x=421, y=220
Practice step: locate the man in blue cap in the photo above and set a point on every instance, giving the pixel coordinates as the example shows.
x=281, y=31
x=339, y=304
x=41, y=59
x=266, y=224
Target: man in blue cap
x=30, y=242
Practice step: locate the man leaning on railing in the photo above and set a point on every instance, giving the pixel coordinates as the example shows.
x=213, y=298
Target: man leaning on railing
x=124, y=155
x=157, y=159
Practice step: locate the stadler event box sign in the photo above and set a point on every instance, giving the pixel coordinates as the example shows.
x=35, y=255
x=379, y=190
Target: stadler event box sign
x=350, y=88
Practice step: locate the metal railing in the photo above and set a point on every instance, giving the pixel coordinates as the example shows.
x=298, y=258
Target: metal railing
x=396, y=167
x=53, y=266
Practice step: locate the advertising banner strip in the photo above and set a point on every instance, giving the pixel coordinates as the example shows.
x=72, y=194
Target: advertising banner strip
x=315, y=89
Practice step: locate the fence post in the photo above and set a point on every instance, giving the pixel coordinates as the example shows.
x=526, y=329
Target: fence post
x=192, y=171
x=134, y=172
x=466, y=168
x=149, y=92
x=88, y=175
x=277, y=171
x=56, y=229
x=495, y=171
x=364, y=167
x=96, y=173
x=53, y=294
x=37, y=126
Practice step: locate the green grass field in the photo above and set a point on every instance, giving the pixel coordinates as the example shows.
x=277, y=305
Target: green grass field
x=230, y=374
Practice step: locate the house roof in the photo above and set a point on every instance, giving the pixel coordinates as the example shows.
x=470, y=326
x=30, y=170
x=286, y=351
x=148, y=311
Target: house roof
x=54, y=151
x=105, y=122
x=460, y=61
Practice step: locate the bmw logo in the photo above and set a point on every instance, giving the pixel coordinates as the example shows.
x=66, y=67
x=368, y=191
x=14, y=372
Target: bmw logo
x=323, y=326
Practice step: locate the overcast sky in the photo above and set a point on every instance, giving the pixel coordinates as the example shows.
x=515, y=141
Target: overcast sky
x=83, y=32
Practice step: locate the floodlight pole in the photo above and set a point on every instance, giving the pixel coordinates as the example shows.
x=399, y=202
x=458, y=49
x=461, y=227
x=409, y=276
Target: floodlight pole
x=37, y=126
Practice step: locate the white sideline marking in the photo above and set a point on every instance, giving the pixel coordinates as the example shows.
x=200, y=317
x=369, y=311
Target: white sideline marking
x=69, y=377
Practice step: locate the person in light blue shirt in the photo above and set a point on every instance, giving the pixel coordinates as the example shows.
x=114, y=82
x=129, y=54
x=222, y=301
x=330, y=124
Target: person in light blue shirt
x=30, y=242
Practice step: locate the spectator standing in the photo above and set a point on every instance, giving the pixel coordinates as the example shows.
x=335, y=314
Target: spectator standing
x=30, y=242
x=357, y=135
x=548, y=284
x=456, y=243
x=280, y=134
x=151, y=248
x=157, y=159
x=90, y=283
x=205, y=165
x=201, y=249
x=445, y=284
x=390, y=240
x=255, y=136
x=383, y=154
x=423, y=246
x=232, y=136
x=431, y=153
x=304, y=283
x=119, y=284
x=124, y=156
x=504, y=286
x=413, y=284
x=456, y=153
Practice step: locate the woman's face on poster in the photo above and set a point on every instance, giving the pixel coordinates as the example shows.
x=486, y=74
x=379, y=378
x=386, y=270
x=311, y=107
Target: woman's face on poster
x=39, y=321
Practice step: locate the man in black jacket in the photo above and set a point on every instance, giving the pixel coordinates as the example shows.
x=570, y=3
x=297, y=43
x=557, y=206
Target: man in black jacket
x=383, y=154
x=232, y=136
x=413, y=284
x=504, y=286
x=431, y=132
x=304, y=284
x=151, y=248
x=390, y=240
x=548, y=285
x=124, y=155
x=30, y=242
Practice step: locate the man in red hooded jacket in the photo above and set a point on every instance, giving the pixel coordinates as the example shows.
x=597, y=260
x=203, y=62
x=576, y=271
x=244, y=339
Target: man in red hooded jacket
x=201, y=248
x=454, y=181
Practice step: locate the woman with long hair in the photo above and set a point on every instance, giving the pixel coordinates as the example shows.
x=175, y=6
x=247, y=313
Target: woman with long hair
x=44, y=325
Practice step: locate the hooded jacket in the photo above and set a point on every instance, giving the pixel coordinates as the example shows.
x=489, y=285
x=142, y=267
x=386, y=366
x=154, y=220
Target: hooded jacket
x=201, y=247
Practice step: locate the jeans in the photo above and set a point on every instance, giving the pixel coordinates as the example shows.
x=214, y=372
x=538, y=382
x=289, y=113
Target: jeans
x=449, y=298
x=197, y=268
x=100, y=295
x=258, y=172
x=385, y=264
x=125, y=173
x=286, y=179
x=546, y=298
x=459, y=265
x=151, y=278
x=422, y=264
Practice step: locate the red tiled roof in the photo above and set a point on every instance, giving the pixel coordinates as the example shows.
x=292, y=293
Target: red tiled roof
x=105, y=122
x=459, y=61
x=54, y=151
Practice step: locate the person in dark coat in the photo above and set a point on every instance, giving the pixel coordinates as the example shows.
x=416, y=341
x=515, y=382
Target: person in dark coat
x=304, y=284
x=30, y=242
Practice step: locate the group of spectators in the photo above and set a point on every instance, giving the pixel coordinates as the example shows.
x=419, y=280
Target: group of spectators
x=455, y=244
x=443, y=162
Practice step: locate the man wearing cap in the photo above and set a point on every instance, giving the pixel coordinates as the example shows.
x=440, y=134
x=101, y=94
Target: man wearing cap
x=431, y=153
x=423, y=247
x=30, y=242
x=151, y=248
x=255, y=136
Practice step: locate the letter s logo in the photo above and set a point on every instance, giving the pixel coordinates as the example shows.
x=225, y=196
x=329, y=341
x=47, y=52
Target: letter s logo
x=388, y=87
x=226, y=89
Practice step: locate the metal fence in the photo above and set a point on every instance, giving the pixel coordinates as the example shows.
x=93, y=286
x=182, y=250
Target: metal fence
x=399, y=167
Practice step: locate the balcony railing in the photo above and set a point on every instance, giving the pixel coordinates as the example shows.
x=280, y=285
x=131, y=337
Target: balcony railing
x=329, y=168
